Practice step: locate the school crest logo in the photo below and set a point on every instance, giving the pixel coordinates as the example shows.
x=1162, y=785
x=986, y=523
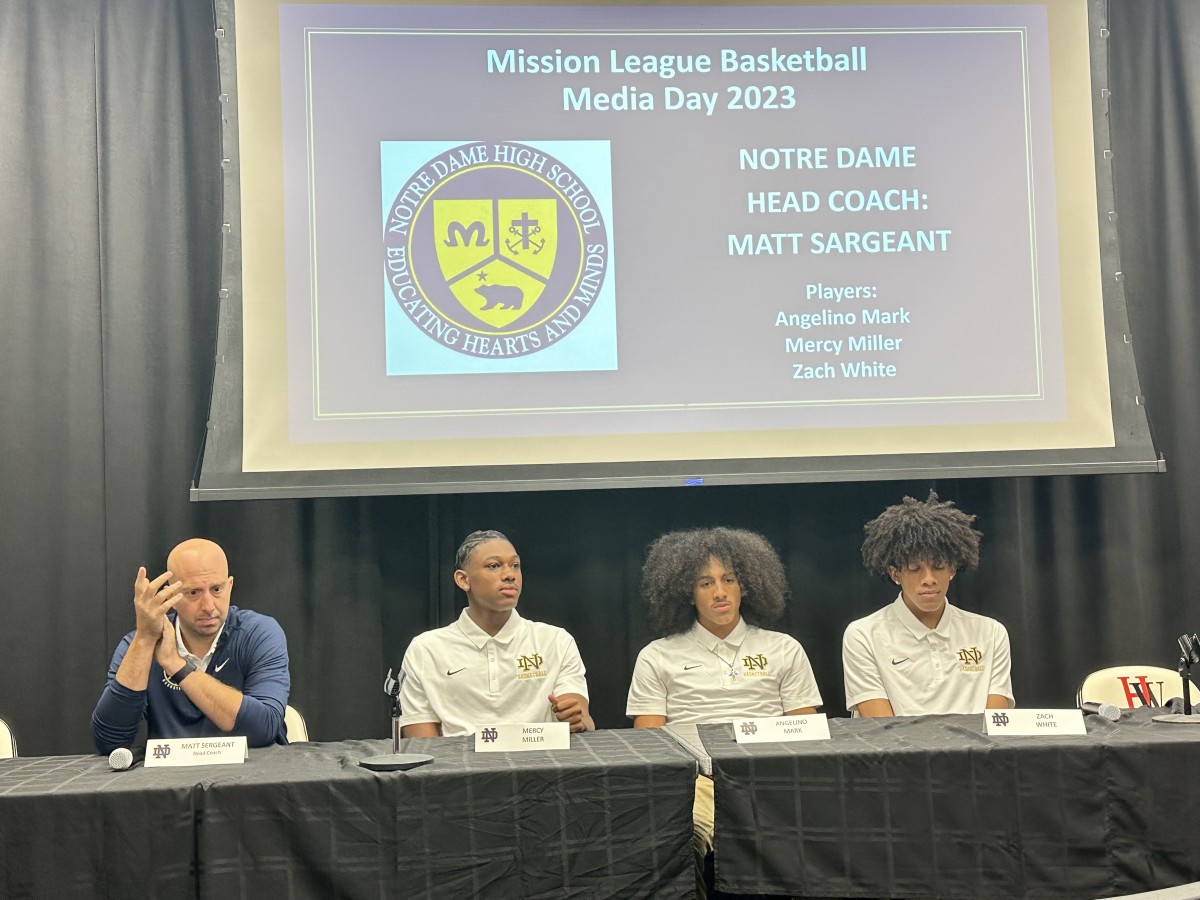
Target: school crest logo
x=495, y=250
x=970, y=659
x=756, y=666
x=530, y=666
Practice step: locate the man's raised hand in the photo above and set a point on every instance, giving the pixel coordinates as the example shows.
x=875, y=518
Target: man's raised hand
x=152, y=599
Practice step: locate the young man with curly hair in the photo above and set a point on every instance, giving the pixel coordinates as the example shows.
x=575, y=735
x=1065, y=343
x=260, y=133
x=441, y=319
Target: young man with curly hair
x=711, y=594
x=920, y=655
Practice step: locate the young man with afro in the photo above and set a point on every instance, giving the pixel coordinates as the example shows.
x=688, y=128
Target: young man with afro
x=921, y=655
x=712, y=592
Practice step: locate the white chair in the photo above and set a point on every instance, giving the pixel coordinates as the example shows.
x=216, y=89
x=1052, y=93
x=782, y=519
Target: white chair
x=8, y=743
x=293, y=725
x=1116, y=685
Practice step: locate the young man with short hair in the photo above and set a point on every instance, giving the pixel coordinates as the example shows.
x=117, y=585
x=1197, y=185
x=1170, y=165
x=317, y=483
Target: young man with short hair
x=491, y=664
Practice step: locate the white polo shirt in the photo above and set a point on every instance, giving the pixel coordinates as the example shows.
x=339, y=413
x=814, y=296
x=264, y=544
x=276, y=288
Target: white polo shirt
x=890, y=655
x=696, y=677
x=461, y=676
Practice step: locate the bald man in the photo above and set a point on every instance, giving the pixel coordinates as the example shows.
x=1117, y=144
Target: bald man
x=194, y=666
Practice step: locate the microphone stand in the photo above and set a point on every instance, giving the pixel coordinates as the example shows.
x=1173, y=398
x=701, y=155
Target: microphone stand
x=391, y=687
x=1189, y=644
x=1187, y=685
x=396, y=761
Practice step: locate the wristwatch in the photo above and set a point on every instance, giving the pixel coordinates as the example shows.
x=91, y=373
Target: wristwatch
x=175, y=681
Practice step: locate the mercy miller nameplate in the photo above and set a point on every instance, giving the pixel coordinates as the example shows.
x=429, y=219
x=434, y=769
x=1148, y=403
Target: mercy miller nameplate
x=515, y=737
x=781, y=728
x=1034, y=721
x=214, y=751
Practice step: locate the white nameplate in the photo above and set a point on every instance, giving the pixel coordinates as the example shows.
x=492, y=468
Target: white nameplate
x=1034, y=721
x=212, y=751
x=782, y=728
x=517, y=736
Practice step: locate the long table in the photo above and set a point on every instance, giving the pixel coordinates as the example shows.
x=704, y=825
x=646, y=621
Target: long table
x=933, y=807
x=610, y=818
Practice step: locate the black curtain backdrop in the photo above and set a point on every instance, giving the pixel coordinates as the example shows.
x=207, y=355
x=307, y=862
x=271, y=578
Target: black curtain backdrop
x=109, y=267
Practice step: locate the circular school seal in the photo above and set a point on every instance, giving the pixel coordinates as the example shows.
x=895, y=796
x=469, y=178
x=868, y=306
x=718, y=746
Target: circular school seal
x=495, y=249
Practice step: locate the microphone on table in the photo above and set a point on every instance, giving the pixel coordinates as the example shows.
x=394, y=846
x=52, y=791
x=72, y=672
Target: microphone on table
x=391, y=687
x=123, y=758
x=395, y=761
x=1109, y=711
x=1181, y=707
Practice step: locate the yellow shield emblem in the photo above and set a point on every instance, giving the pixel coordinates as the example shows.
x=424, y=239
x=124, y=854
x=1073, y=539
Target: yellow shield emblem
x=496, y=255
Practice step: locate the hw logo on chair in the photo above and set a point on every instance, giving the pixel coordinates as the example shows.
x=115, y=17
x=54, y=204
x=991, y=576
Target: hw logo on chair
x=1140, y=693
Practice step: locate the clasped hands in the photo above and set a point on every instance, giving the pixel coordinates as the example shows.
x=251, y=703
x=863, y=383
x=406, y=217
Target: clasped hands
x=151, y=602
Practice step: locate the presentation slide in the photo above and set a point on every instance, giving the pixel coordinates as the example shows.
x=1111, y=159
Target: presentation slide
x=546, y=234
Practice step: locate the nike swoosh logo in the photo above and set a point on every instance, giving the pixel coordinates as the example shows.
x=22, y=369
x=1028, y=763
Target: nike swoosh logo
x=896, y=662
x=697, y=666
x=221, y=666
x=455, y=672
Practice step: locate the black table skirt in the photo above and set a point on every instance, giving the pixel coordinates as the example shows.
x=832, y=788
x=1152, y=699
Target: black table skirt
x=933, y=807
x=610, y=818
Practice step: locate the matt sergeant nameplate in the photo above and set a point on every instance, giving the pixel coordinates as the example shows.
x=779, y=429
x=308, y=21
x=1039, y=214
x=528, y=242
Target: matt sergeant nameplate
x=515, y=737
x=781, y=728
x=214, y=751
x=1034, y=721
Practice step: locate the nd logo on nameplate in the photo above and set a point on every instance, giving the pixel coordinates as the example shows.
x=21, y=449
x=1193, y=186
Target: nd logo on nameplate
x=781, y=728
x=214, y=751
x=516, y=737
x=1034, y=721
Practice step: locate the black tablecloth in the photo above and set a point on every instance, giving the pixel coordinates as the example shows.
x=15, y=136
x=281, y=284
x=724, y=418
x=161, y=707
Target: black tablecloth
x=933, y=807
x=610, y=818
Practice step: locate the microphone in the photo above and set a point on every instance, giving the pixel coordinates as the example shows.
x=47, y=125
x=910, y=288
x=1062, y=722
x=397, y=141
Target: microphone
x=1189, y=644
x=121, y=759
x=1109, y=711
x=395, y=761
x=392, y=685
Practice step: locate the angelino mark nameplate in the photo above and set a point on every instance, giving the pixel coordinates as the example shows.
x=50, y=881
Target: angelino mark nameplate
x=781, y=728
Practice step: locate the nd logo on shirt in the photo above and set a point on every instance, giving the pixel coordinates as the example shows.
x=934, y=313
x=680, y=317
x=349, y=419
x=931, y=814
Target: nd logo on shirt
x=756, y=666
x=530, y=666
x=970, y=660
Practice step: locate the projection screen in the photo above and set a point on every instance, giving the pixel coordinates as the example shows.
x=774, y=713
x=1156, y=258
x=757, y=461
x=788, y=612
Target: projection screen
x=529, y=246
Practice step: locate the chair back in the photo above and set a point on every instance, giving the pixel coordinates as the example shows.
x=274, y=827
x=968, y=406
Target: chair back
x=294, y=726
x=8, y=743
x=1119, y=685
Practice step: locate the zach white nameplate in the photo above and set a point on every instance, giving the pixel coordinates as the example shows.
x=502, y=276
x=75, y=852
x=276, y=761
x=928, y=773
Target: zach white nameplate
x=1034, y=721
x=213, y=751
x=515, y=737
x=782, y=728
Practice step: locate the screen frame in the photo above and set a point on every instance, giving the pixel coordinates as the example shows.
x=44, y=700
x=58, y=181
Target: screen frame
x=219, y=474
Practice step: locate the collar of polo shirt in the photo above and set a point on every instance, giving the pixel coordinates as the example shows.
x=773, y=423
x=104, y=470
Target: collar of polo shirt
x=917, y=628
x=479, y=637
x=710, y=641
